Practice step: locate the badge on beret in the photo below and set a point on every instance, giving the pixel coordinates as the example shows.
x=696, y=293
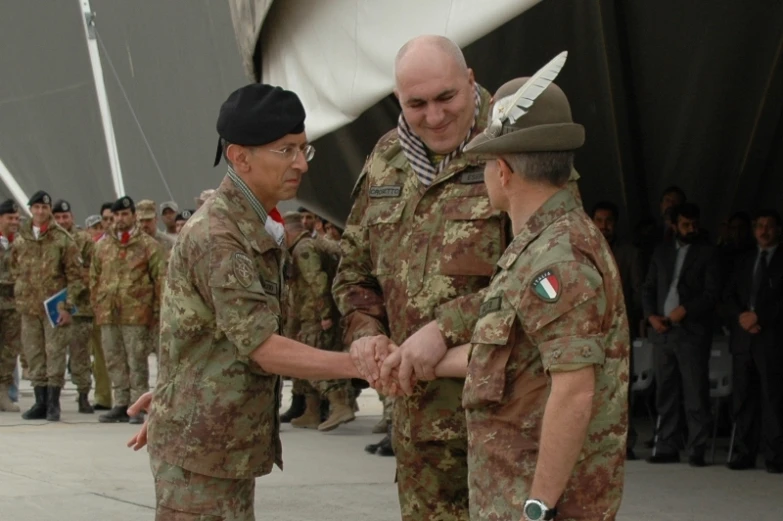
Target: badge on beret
x=65, y=207
x=546, y=285
x=46, y=200
x=186, y=214
x=126, y=202
x=243, y=269
x=14, y=207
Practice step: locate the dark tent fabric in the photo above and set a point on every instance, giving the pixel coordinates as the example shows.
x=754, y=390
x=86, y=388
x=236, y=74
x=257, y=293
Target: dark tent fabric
x=685, y=93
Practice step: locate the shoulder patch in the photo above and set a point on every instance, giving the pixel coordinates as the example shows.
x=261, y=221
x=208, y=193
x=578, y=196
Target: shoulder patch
x=243, y=269
x=546, y=286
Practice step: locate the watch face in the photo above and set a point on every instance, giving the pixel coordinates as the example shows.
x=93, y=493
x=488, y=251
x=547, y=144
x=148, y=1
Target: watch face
x=533, y=511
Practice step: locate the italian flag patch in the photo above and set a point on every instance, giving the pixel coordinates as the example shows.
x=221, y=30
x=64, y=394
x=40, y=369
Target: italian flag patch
x=547, y=286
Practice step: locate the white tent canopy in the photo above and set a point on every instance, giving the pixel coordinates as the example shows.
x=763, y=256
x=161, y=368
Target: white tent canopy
x=338, y=56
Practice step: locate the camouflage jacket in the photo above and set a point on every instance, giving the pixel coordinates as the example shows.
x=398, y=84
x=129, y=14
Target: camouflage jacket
x=44, y=266
x=310, y=287
x=555, y=304
x=215, y=411
x=413, y=254
x=86, y=247
x=125, y=279
x=6, y=278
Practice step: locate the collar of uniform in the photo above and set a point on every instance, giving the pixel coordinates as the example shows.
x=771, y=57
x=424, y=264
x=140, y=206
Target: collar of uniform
x=304, y=235
x=248, y=220
x=251, y=199
x=27, y=228
x=555, y=207
x=395, y=157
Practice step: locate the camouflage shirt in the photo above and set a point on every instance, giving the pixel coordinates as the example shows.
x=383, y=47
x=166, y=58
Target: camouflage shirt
x=556, y=304
x=412, y=254
x=86, y=247
x=310, y=287
x=125, y=279
x=6, y=278
x=44, y=266
x=215, y=411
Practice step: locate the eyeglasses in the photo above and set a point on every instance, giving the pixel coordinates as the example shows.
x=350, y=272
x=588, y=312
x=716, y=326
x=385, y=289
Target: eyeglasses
x=292, y=152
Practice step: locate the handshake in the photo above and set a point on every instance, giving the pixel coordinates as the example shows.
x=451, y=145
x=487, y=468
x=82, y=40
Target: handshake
x=393, y=370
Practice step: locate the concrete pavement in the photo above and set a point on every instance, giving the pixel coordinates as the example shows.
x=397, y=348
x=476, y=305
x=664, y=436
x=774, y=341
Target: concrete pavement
x=79, y=470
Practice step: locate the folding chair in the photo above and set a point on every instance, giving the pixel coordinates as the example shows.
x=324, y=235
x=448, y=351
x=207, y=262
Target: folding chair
x=721, y=386
x=644, y=373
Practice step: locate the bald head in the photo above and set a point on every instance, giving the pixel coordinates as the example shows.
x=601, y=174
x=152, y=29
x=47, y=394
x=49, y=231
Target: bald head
x=425, y=49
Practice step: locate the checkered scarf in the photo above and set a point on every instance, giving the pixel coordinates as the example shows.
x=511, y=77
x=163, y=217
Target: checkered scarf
x=416, y=151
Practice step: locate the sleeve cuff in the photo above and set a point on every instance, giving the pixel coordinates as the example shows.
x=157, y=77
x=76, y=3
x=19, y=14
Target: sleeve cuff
x=570, y=353
x=454, y=325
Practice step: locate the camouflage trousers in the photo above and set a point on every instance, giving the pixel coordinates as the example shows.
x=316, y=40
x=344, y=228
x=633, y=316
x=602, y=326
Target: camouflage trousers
x=78, y=341
x=126, y=351
x=388, y=407
x=10, y=344
x=432, y=479
x=45, y=347
x=312, y=335
x=99, y=371
x=181, y=495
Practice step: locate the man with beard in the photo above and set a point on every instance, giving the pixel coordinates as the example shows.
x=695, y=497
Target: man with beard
x=168, y=214
x=679, y=298
x=125, y=283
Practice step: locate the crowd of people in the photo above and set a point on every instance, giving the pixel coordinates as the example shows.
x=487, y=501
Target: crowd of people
x=470, y=287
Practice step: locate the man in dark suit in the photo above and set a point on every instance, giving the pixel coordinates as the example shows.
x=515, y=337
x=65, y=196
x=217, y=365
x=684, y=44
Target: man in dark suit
x=679, y=298
x=754, y=301
x=629, y=263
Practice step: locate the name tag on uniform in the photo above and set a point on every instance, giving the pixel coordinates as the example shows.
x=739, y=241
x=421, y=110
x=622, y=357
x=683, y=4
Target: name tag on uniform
x=270, y=287
x=385, y=191
x=490, y=306
x=469, y=178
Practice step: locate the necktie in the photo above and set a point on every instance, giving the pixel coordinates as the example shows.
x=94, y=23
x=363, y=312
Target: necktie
x=759, y=277
x=125, y=237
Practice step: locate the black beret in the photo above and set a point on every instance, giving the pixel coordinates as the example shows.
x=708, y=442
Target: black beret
x=8, y=206
x=258, y=114
x=123, y=203
x=40, y=197
x=184, y=215
x=61, y=207
x=302, y=209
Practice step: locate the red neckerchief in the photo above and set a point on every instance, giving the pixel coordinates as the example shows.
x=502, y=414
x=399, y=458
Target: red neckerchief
x=275, y=215
x=10, y=237
x=125, y=238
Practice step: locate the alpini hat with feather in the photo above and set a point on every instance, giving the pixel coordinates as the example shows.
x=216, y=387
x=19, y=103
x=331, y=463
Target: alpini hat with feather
x=530, y=115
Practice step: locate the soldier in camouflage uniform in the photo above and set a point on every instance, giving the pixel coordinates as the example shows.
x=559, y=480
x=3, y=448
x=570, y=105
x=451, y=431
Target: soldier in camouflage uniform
x=45, y=260
x=313, y=320
x=10, y=326
x=80, y=330
x=148, y=221
x=547, y=367
x=213, y=426
x=125, y=284
x=103, y=401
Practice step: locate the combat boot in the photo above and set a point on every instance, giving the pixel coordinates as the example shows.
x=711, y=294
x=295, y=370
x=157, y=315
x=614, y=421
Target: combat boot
x=53, y=404
x=117, y=414
x=6, y=405
x=38, y=410
x=137, y=420
x=84, y=404
x=341, y=411
x=312, y=415
x=296, y=410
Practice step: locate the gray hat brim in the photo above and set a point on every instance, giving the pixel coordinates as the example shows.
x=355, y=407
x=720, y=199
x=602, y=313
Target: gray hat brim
x=556, y=137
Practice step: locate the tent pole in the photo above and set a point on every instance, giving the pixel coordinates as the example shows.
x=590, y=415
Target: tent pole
x=88, y=20
x=16, y=191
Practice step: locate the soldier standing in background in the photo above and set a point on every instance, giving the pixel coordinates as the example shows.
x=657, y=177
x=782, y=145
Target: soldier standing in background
x=206, y=194
x=94, y=225
x=10, y=325
x=148, y=221
x=45, y=261
x=313, y=320
x=81, y=328
x=168, y=213
x=182, y=218
x=125, y=284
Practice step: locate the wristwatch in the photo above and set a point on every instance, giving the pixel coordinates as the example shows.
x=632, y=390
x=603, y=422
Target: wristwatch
x=536, y=510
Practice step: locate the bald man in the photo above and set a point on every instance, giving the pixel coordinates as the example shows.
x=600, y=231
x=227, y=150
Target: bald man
x=420, y=243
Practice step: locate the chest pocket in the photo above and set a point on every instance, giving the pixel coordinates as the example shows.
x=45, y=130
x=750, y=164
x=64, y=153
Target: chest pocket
x=472, y=237
x=383, y=220
x=490, y=350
